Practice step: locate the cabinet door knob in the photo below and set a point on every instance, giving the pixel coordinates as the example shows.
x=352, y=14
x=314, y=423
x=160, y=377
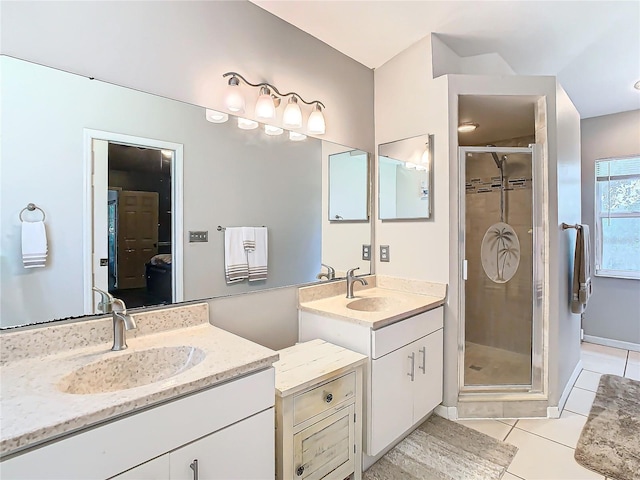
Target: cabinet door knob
x=412, y=357
x=328, y=398
x=300, y=470
x=423, y=351
x=194, y=467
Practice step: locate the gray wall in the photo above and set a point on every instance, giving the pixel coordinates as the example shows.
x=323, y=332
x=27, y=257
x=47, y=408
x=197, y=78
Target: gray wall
x=613, y=311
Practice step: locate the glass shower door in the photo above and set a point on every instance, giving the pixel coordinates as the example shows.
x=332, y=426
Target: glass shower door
x=498, y=292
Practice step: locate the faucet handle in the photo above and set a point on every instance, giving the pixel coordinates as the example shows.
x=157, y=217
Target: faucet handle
x=350, y=271
x=106, y=300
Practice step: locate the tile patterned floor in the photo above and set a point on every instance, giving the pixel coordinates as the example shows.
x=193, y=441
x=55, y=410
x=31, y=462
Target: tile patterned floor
x=546, y=446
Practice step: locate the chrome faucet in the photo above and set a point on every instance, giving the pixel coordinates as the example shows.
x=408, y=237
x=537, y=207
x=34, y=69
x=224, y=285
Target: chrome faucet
x=121, y=319
x=351, y=279
x=330, y=275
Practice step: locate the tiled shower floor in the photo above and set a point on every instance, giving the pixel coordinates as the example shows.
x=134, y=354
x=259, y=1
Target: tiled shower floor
x=485, y=365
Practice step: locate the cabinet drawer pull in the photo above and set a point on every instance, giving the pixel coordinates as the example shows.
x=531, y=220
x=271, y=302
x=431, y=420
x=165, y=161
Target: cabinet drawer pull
x=194, y=467
x=328, y=398
x=423, y=351
x=300, y=470
x=412, y=357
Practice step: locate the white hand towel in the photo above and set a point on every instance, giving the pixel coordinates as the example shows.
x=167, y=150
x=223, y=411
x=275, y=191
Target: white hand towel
x=249, y=238
x=235, y=256
x=258, y=257
x=34, y=244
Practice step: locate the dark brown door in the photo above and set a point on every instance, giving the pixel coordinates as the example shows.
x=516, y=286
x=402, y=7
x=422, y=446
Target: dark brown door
x=137, y=236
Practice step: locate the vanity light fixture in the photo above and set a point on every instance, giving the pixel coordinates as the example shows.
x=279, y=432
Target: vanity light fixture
x=246, y=124
x=216, y=117
x=467, y=127
x=297, y=137
x=316, y=123
x=292, y=117
x=269, y=100
x=637, y=85
x=271, y=130
x=234, y=98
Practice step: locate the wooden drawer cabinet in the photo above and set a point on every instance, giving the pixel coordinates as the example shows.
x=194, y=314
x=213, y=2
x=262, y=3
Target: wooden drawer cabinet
x=319, y=412
x=324, y=397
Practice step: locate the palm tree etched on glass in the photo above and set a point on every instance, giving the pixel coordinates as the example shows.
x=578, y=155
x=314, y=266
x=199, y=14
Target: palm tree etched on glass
x=500, y=252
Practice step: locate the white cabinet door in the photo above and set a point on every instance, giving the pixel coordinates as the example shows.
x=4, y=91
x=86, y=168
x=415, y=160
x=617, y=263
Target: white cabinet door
x=156, y=469
x=391, y=398
x=243, y=451
x=428, y=376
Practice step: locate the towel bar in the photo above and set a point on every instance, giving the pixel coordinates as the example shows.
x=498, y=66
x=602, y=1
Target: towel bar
x=31, y=207
x=566, y=226
x=222, y=229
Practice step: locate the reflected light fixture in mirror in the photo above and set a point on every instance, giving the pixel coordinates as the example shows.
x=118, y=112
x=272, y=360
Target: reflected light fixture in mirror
x=233, y=97
x=246, y=124
x=269, y=100
x=316, y=123
x=216, y=117
x=297, y=137
x=467, y=127
x=271, y=130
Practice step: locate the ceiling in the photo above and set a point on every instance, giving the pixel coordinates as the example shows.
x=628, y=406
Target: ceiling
x=593, y=47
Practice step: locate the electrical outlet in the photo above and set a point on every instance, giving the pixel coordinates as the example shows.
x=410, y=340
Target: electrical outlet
x=366, y=252
x=384, y=253
x=199, y=236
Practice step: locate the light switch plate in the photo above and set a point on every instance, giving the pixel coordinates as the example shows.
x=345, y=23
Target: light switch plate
x=384, y=253
x=198, y=236
x=366, y=252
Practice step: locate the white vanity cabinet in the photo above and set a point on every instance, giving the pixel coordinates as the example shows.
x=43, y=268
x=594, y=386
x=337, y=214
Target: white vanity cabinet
x=228, y=429
x=403, y=381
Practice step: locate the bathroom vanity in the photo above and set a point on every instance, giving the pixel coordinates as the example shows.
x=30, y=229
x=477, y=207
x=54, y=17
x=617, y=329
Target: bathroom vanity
x=400, y=329
x=185, y=400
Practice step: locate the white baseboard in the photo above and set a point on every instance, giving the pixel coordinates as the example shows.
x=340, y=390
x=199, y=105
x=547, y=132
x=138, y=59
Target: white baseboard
x=609, y=342
x=555, y=412
x=450, y=413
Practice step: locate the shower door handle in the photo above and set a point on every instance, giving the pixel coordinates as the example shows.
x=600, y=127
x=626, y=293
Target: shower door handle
x=423, y=351
x=464, y=269
x=412, y=357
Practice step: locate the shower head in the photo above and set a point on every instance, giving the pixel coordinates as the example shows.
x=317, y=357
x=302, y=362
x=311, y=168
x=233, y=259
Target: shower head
x=495, y=158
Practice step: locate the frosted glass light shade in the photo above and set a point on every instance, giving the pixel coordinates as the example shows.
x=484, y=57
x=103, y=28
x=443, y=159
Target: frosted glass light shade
x=271, y=130
x=234, y=99
x=297, y=137
x=316, y=124
x=265, y=108
x=246, y=124
x=292, y=117
x=425, y=155
x=216, y=117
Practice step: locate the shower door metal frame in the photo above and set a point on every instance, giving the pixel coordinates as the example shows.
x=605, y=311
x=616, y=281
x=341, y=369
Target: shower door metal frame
x=538, y=341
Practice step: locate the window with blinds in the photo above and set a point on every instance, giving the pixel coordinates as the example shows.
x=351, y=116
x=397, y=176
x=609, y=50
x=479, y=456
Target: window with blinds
x=617, y=222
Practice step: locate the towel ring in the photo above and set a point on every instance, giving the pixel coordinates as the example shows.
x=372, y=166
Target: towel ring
x=31, y=207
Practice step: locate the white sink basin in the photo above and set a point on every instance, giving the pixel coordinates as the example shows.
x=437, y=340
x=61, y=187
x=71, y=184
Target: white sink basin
x=132, y=369
x=374, y=304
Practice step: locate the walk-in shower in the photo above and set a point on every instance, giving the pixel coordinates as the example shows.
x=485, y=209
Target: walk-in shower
x=501, y=347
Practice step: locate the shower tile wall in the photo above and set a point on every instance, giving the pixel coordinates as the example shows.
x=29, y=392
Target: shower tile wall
x=499, y=315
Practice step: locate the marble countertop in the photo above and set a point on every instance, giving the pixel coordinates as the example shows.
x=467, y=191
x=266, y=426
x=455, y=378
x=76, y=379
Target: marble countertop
x=34, y=410
x=405, y=298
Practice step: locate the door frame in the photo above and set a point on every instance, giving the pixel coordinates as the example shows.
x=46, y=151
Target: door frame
x=177, y=202
x=540, y=316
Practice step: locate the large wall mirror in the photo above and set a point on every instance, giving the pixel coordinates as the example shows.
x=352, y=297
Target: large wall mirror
x=134, y=187
x=405, y=177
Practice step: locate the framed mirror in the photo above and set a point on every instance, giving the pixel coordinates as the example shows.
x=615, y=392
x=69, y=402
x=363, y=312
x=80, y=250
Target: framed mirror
x=405, y=178
x=349, y=186
x=87, y=152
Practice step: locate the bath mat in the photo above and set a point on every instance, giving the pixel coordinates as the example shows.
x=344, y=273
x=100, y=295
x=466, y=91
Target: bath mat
x=440, y=449
x=610, y=440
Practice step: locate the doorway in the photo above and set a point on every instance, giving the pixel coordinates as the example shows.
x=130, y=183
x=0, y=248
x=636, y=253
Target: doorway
x=133, y=245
